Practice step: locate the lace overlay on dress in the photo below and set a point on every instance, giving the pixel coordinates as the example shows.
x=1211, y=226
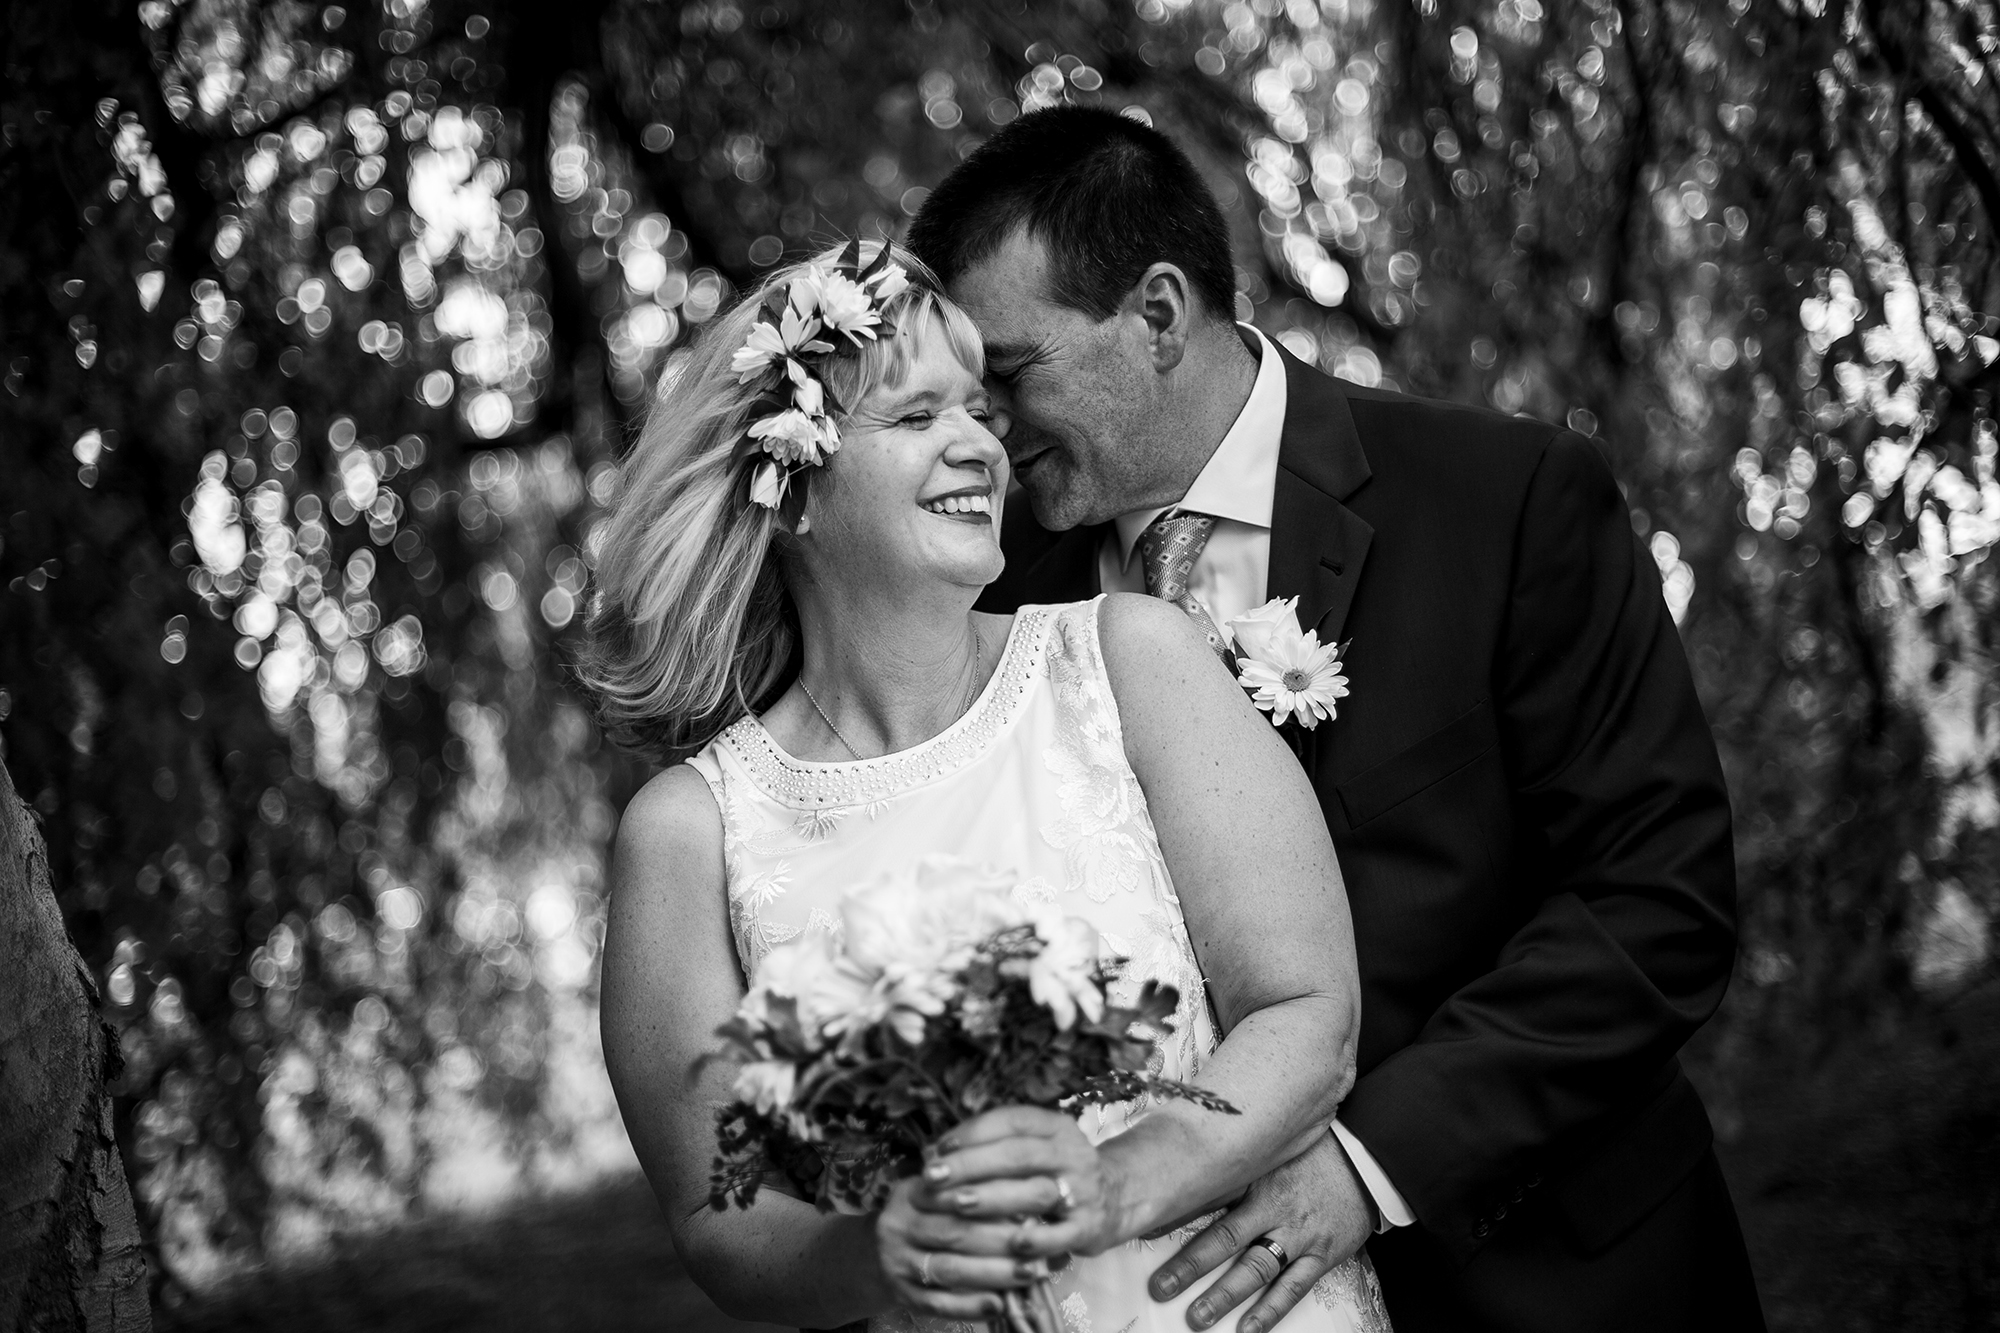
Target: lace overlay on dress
x=1110, y=848
x=1033, y=779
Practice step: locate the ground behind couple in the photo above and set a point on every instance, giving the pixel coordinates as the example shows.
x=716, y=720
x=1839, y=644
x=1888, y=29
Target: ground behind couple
x=1868, y=1188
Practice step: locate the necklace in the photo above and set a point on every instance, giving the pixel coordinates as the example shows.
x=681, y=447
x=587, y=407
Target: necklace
x=971, y=690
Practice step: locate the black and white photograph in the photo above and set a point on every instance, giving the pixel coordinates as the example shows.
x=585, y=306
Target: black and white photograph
x=999, y=666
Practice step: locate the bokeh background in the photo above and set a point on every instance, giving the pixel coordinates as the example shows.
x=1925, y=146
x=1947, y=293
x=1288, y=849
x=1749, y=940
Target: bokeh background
x=324, y=324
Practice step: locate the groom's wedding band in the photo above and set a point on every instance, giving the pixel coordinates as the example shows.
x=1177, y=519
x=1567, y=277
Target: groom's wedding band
x=924, y=1270
x=1272, y=1248
x=1065, y=1201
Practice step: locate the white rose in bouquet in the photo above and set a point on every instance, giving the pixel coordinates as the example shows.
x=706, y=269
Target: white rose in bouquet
x=831, y=995
x=911, y=931
x=766, y=1085
x=1063, y=976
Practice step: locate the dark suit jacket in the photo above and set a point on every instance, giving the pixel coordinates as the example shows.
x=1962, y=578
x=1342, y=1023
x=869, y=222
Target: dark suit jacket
x=1532, y=825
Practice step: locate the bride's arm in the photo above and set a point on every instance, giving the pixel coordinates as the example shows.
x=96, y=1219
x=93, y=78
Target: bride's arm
x=1266, y=910
x=670, y=979
x=1267, y=913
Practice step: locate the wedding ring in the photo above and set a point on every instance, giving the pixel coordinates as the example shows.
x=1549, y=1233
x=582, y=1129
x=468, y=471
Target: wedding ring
x=1065, y=1201
x=1272, y=1248
x=924, y=1270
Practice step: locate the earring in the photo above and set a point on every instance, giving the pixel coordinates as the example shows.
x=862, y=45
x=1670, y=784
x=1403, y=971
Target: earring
x=805, y=525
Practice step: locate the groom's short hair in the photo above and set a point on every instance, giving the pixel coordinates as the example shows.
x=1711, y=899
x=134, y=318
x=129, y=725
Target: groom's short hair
x=1105, y=194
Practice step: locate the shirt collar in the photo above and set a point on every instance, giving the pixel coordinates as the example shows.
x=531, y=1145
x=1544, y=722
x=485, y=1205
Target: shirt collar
x=1238, y=480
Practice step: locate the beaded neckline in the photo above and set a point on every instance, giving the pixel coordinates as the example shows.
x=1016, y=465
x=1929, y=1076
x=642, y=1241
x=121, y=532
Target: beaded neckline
x=807, y=784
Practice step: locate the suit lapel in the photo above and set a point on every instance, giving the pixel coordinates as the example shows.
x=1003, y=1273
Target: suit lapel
x=1318, y=545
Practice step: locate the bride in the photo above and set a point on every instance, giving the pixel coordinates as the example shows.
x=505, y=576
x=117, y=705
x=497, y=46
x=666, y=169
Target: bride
x=821, y=564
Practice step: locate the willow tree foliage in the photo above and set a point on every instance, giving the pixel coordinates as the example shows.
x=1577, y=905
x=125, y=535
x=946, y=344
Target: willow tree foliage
x=324, y=323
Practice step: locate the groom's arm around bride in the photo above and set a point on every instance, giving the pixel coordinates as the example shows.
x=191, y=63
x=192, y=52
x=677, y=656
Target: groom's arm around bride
x=1521, y=787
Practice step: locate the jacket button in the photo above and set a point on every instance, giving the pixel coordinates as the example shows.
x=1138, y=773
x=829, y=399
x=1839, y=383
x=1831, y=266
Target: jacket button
x=1482, y=1231
x=1520, y=1194
x=1500, y=1212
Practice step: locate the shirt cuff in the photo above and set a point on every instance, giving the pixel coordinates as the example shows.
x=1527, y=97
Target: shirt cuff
x=1388, y=1203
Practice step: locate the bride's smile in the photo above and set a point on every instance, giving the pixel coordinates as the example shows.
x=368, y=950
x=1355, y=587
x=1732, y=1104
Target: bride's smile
x=976, y=504
x=916, y=489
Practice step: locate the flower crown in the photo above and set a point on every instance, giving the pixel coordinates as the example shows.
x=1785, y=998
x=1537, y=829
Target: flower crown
x=785, y=349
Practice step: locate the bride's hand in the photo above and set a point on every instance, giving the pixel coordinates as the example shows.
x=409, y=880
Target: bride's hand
x=944, y=1264
x=1023, y=1162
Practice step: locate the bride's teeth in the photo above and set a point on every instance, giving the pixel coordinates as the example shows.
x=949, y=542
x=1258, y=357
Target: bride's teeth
x=961, y=504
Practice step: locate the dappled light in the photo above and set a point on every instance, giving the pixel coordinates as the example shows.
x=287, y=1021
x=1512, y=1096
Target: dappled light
x=338, y=317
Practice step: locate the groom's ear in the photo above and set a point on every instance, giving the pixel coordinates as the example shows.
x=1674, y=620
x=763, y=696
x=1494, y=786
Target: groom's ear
x=1164, y=300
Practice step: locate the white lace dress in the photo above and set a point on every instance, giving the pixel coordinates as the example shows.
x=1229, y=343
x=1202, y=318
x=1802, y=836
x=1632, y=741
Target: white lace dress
x=1034, y=779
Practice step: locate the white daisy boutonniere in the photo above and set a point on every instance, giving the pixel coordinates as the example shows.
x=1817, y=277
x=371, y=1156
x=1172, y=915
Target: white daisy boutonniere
x=1287, y=671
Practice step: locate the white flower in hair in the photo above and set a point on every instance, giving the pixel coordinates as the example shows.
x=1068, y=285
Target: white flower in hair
x=846, y=299
x=808, y=395
x=804, y=293
x=847, y=307
x=767, y=485
x=792, y=336
x=790, y=437
x=757, y=352
x=890, y=283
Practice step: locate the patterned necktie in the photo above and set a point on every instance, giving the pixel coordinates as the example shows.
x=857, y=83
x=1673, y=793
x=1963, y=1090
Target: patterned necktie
x=1167, y=551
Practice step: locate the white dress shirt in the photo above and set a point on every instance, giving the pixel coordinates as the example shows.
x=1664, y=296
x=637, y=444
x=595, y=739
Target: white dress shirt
x=1236, y=487
x=1231, y=577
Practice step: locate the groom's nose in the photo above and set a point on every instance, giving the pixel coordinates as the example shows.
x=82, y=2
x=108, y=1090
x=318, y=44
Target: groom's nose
x=1021, y=438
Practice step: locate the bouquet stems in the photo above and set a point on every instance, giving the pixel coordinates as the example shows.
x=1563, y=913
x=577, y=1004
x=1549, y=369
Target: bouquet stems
x=1031, y=1310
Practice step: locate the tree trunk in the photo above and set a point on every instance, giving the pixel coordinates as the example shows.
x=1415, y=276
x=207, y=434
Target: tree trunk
x=69, y=1242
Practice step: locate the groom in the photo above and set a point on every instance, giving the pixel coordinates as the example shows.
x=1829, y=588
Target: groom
x=1521, y=787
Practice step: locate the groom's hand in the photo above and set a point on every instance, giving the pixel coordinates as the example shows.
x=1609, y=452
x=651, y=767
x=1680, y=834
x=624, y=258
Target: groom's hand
x=1314, y=1206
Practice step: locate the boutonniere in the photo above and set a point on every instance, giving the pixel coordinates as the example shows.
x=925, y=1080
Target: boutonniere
x=1287, y=671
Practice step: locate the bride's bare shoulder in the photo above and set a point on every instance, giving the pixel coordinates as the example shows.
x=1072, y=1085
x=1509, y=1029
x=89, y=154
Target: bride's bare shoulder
x=1144, y=638
x=670, y=827
x=667, y=878
x=1169, y=685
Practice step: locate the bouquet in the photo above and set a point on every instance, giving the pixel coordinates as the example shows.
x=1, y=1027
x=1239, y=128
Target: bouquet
x=943, y=996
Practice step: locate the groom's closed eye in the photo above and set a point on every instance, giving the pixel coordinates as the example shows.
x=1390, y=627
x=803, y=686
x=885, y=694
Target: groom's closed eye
x=1005, y=363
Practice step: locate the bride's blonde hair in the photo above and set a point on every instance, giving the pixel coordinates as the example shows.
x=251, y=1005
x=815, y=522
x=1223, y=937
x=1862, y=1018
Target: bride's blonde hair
x=690, y=626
